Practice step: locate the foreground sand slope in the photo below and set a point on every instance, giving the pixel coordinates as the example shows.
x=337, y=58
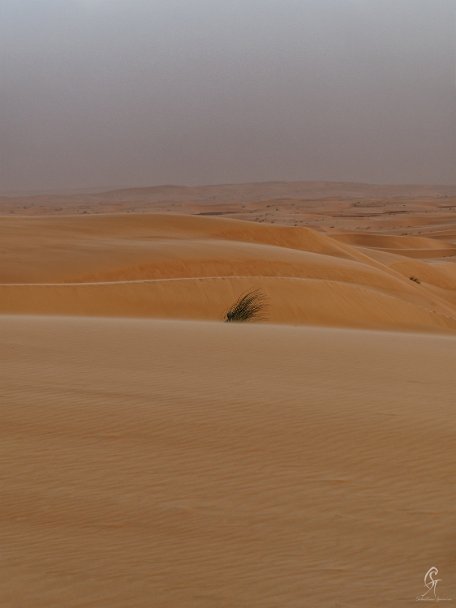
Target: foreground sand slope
x=194, y=267
x=163, y=463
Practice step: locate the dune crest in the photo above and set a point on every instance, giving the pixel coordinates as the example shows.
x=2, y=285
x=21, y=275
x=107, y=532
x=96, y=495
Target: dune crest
x=193, y=267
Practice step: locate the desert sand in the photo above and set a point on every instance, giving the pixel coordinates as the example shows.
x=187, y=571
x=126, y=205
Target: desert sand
x=153, y=455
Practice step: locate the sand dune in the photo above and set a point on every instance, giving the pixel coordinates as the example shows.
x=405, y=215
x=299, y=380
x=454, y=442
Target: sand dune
x=171, y=459
x=393, y=243
x=290, y=301
x=188, y=267
x=152, y=463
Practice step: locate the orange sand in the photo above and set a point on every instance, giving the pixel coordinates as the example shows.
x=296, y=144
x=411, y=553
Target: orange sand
x=196, y=464
x=188, y=267
x=152, y=455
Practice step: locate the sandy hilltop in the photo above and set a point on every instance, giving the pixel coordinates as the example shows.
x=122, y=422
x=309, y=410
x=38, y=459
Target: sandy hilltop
x=153, y=455
x=373, y=257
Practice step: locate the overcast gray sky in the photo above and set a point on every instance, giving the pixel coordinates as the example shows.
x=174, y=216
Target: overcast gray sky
x=144, y=92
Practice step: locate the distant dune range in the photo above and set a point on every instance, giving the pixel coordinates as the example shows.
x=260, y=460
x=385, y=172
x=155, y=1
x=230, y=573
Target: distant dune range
x=322, y=205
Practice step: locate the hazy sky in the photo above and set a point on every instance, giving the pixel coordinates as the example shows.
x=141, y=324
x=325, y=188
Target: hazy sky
x=144, y=92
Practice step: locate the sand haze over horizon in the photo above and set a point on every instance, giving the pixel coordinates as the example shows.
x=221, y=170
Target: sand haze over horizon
x=115, y=93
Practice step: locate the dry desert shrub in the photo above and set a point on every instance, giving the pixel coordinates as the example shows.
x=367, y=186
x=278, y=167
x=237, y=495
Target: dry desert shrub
x=247, y=307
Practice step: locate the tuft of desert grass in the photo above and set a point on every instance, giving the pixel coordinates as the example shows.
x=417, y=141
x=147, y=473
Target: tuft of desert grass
x=250, y=306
